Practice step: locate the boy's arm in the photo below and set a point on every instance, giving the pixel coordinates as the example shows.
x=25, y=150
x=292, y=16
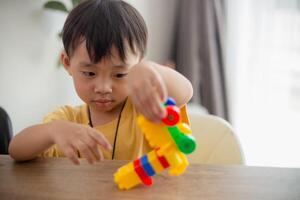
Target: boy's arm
x=178, y=87
x=31, y=141
x=70, y=138
x=150, y=84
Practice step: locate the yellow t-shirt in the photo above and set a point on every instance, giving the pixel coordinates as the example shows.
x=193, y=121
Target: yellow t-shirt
x=130, y=143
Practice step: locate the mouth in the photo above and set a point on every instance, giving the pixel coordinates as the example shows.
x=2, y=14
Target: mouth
x=103, y=102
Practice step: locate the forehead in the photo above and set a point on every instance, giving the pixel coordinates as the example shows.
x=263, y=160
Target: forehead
x=81, y=54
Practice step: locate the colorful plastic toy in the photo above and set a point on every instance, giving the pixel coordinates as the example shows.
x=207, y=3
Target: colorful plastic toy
x=171, y=140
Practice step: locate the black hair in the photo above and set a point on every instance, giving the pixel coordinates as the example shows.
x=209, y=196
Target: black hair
x=102, y=24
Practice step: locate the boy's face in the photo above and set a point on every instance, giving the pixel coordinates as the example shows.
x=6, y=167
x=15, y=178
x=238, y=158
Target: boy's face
x=103, y=85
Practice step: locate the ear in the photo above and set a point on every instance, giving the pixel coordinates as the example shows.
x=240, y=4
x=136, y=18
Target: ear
x=65, y=60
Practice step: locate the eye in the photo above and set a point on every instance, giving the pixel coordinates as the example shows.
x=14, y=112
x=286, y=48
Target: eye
x=120, y=75
x=89, y=74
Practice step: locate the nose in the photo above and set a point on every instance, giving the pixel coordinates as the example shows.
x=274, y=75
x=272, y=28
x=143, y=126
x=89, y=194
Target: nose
x=103, y=86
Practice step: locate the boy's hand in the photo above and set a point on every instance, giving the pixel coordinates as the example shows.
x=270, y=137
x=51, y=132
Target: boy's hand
x=71, y=137
x=147, y=90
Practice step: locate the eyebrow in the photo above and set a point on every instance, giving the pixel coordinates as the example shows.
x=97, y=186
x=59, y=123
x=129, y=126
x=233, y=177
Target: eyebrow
x=122, y=65
x=86, y=64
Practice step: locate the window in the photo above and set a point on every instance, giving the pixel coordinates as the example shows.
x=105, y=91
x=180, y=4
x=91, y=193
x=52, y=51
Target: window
x=263, y=60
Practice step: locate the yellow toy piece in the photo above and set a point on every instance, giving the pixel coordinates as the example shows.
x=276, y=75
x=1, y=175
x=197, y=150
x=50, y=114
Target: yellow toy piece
x=156, y=134
x=126, y=177
x=170, y=141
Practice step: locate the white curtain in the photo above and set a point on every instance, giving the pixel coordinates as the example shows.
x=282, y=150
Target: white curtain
x=263, y=66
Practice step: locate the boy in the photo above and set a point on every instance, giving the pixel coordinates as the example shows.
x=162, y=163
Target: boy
x=104, y=43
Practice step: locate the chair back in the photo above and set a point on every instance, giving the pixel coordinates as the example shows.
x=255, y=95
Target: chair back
x=5, y=131
x=216, y=141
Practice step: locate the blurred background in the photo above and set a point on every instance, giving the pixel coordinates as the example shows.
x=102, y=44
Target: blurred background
x=242, y=57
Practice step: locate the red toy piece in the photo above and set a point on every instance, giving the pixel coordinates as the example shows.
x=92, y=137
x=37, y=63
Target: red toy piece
x=172, y=117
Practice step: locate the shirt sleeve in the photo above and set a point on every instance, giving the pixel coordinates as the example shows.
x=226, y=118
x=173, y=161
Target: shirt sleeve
x=62, y=113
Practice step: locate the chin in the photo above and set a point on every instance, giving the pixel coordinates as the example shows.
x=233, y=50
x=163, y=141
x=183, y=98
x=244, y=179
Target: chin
x=103, y=108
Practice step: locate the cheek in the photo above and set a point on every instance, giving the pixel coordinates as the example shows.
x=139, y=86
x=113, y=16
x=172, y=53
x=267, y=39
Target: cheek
x=81, y=87
x=121, y=89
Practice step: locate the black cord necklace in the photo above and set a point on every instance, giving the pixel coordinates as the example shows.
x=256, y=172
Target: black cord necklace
x=117, y=127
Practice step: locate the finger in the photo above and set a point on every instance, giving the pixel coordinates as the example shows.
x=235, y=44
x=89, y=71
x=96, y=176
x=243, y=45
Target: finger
x=160, y=88
x=157, y=108
x=146, y=113
x=151, y=110
x=71, y=153
x=101, y=155
x=155, y=104
x=142, y=103
x=85, y=151
x=100, y=139
x=152, y=104
x=141, y=109
x=143, y=98
x=92, y=144
x=136, y=102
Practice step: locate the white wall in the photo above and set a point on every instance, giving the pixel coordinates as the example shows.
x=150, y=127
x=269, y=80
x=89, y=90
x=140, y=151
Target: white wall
x=30, y=83
x=160, y=19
